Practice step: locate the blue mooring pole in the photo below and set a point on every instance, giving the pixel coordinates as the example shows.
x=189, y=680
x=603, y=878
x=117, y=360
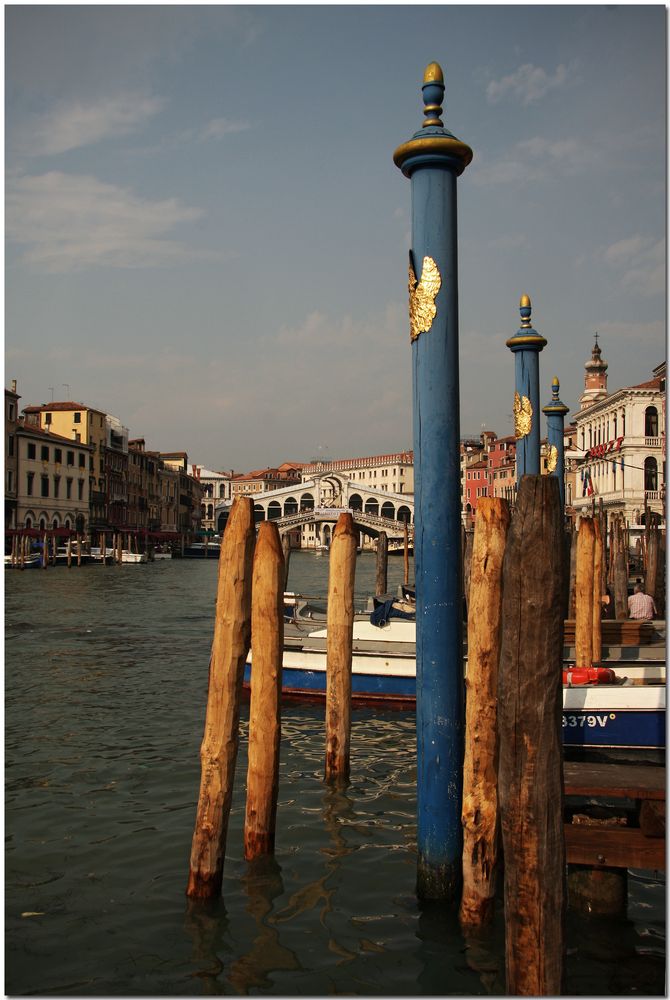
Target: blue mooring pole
x=526, y=345
x=555, y=412
x=433, y=159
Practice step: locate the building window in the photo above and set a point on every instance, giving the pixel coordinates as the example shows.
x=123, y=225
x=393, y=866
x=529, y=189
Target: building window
x=45, y=486
x=56, y=486
x=29, y=483
x=10, y=481
x=44, y=452
x=68, y=487
x=650, y=474
x=70, y=458
x=11, y=412
x=81, y=489
x=651, y=422
x=82, y=461
x=47, y=419
x=58, y=455
x=77, y=418
x=10, y=445
x=32, y=450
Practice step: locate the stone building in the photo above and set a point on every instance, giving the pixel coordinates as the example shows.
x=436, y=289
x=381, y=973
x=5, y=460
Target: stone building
x=52, y=480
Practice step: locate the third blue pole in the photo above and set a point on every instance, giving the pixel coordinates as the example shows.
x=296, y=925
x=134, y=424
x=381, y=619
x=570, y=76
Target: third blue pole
x=433, y=159
x=526, y=345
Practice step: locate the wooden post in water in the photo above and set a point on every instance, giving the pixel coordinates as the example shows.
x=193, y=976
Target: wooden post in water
x=381, y=578
x=433, y=159
x=651, y=573
x=405, y=554
x=103, y=549
x=22, y=552
x=267, y=642
x=597, y=626
x=218, y=752
x=620, y=569
x=286, y=549
x=480, y=794
x=340, y=625
x=530, y=773
x=69, y=552
x=79, y=544
x=45, y=551
x=584, y=594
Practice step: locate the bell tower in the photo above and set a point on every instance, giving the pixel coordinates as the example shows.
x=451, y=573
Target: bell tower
x=595, y=378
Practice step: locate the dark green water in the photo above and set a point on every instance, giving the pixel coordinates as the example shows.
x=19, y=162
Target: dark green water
x=105, y=687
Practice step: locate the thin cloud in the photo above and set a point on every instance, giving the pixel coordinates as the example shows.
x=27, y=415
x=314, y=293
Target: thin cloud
x=70, y=223
x=537, y=159
x=528, y=84
x=80, y=123
x=218, y=127
x=641, y=263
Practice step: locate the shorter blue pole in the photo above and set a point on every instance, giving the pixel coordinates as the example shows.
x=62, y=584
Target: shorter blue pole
x=526, y=345
x=555, y=412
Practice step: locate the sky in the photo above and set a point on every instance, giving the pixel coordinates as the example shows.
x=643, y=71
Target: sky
x=207, y=237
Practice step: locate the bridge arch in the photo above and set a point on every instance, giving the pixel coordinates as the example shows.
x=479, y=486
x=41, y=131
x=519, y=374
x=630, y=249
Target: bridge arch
x=372, y=506
x=274, y=510
x=290, y=506
x=259, y=513
x=388, y=510
x=404, y=514
x=307, y=501
x=356, y=501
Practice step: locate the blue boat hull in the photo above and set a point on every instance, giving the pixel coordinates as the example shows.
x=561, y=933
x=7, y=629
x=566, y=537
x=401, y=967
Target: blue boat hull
x=589, y=727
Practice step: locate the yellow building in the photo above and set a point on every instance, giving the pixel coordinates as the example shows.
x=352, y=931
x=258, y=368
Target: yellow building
x=84, y=424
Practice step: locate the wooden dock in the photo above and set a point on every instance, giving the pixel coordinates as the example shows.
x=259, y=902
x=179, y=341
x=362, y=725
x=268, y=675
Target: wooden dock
x=627, y=834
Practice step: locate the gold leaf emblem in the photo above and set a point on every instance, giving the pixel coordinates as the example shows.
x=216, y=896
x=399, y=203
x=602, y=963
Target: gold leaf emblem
x=422, y=295
x=523, y=415
x=552, y=457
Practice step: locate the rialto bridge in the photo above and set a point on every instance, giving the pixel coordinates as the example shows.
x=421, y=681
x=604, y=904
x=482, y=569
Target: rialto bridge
x=320, y=500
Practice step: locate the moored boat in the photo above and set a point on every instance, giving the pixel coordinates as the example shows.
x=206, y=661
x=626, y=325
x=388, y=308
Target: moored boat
x=630, y=712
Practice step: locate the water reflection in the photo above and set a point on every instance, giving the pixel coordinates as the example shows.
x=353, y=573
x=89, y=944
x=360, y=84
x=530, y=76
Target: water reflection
x=262, y=884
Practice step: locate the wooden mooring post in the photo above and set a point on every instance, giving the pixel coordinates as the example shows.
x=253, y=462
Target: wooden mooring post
x=340, y=625
x=218, y=752
x=267, y=642
x=405, y=554
x=381, y=576
x=597, y=627
x=286, y=549
x=480, y=781
x=584, y=593
x=530, y=772
x=620, y=567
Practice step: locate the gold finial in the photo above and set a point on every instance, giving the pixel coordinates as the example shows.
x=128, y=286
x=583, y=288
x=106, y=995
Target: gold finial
x=555, y=381
x=433, y=73
x=524, y=302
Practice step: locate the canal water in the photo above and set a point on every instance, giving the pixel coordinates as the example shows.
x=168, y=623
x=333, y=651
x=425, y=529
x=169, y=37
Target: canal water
x=105, y=688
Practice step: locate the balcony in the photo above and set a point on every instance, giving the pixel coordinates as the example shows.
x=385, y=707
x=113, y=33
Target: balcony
x=652, y=442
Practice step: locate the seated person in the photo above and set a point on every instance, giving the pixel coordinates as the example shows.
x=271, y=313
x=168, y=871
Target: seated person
x=640, y=605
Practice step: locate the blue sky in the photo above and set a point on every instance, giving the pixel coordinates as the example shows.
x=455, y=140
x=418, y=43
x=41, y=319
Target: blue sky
x=207, y=236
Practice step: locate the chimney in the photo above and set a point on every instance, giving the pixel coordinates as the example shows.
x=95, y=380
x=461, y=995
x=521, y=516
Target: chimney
x=13, y=385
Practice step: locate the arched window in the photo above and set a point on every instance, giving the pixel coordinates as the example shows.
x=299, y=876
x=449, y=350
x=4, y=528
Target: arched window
x=67, y=523
x=259, y=513
x=388, y=510
x=274, y=510
x=307, y=502
x=372, y=506
x=54, y=523
x=290, y=506
x=210, y=511
x=355, y=502
x=29, y=521
x=650, y=474
x=651, y=422
x=203, y=510
x=43, y=524
x=404, y=514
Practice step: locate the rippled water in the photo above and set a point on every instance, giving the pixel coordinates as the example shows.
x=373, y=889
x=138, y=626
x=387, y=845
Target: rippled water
x=106, y=678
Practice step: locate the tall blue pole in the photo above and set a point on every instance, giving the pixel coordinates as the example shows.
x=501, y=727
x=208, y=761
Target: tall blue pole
x=526, y=345
x=433, y=159
x=555, y=412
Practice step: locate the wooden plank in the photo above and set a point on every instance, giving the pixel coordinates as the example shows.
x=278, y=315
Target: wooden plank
x=613, y=847
x=628, y=781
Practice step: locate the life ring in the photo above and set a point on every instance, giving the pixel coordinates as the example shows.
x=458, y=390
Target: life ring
x=573, y=676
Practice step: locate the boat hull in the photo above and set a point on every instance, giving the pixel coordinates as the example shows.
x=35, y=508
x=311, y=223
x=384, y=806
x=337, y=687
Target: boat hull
x=598, y=716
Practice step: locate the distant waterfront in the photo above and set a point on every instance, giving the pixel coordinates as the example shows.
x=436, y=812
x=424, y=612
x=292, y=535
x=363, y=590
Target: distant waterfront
x=106, y=677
